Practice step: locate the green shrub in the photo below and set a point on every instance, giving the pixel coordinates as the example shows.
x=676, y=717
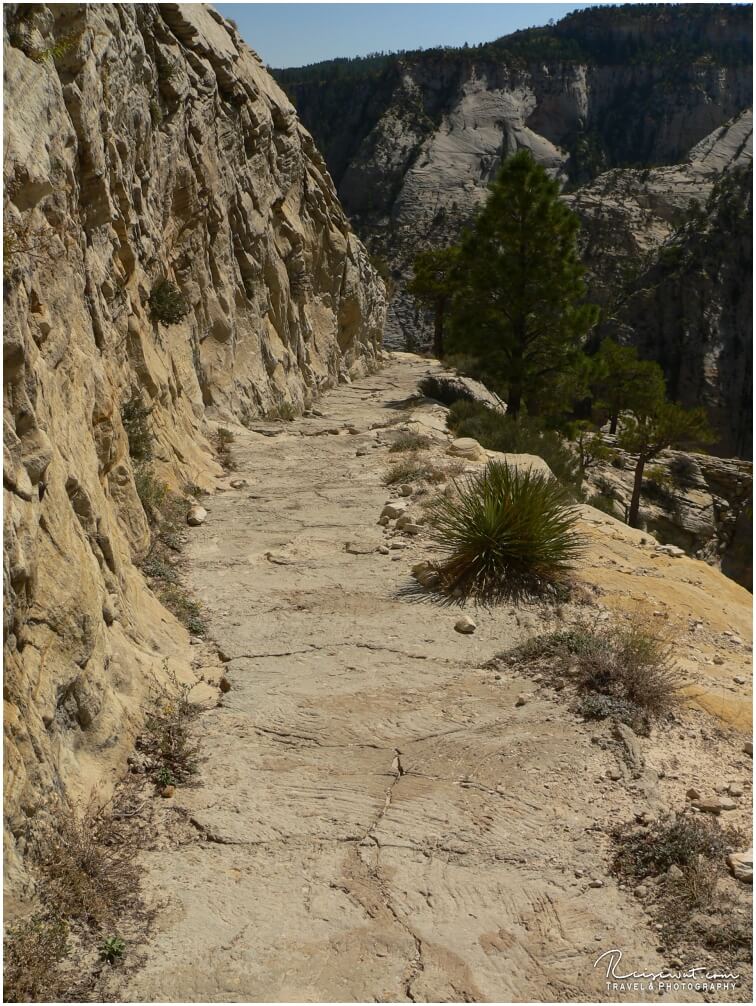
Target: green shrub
x=498, y=432
x=409, y=442
x=167, y=303
x=134, y=418
x=179, y=603
x=156, y=112
x=284, y=411
x=506, y=533
x=445, y=390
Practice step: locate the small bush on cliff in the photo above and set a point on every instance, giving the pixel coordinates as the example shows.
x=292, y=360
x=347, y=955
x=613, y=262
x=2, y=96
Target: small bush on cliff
x=505, y=533
x=89, y=876
x=169, y=737
x=409, y=442
x=134, y=415
x=151, y=491
x=167, y=303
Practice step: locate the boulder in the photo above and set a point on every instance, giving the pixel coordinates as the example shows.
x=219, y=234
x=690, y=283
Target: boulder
x=196, y=515
x=741, y=865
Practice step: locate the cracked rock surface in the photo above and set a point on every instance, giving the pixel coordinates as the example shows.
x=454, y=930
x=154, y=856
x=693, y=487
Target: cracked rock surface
x=376, y=819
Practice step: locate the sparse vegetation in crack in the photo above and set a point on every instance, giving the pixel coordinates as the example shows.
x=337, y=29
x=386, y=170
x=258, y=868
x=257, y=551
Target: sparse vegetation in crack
x=167, y=303
x=169, y=742
x=678, y=864
x=622, y=671
x=88, y=884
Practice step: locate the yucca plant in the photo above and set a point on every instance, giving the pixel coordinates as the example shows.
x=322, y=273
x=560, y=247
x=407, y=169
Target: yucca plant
x=505, y=533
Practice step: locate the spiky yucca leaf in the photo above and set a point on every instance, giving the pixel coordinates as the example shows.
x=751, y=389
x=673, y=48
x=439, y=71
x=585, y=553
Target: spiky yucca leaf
x=506, y=533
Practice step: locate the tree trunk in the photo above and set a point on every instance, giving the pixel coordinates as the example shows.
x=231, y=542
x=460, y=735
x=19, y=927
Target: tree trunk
x=514, y=399
x=613, y=423
x=632, y=515
x=438, y=330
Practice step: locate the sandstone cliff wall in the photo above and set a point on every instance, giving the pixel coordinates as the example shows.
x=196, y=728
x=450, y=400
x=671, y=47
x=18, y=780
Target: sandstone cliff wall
x=142, y=142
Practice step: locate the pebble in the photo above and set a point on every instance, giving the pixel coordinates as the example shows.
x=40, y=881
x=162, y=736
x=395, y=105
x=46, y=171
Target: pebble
x=735, y=789
x=708, y=805
x=748, y=748
x=465, y=625
x=595, y=883
x=382, y=549
x=741, y=864
x=693, y=794
x=196, y=515
x=738, y=680
x=406, y=489
x=614, y=774
x=239, y=484
x=718, y=659
x=361, y=453
x=224, y=684
x=640, y=891
x=399, y=544
x=355, y=548
x=522, y=698
x=167, y=791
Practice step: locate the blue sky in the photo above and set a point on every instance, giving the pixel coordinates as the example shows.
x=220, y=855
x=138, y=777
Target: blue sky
x=294, y=34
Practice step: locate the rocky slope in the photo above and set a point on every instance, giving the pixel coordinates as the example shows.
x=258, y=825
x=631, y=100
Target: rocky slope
x=142, y=143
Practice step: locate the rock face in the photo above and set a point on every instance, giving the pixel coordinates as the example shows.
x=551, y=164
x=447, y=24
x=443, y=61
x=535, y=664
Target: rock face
x=691, y=309
x=142, y=143
x=697, y=502
x=413, y=140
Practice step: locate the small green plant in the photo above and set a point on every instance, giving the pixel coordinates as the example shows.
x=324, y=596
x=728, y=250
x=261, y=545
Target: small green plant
x=223, y=440
x=32, y=952
x=167, y=303
x=55, y=51
x=505, y=533
x=156, y=113
x=169, y=735
x=134, y=415
x=112, y=949
x=409, y=442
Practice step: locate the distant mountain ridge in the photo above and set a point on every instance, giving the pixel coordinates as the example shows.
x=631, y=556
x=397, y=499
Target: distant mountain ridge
x=608, y=99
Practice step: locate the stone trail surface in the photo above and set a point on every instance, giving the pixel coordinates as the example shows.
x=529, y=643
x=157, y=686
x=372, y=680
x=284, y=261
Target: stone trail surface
x=377, y=818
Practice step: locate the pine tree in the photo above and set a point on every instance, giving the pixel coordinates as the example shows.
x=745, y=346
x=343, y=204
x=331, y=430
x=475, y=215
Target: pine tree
x=621, y=382
x=648, y=432
x=520, y=306
x=433, y=286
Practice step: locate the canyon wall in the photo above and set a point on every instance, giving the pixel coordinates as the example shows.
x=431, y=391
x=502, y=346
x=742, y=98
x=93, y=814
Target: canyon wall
x=143, y=143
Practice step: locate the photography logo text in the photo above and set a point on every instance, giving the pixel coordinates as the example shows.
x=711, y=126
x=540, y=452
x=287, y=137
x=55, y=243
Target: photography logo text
x=684, y=979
